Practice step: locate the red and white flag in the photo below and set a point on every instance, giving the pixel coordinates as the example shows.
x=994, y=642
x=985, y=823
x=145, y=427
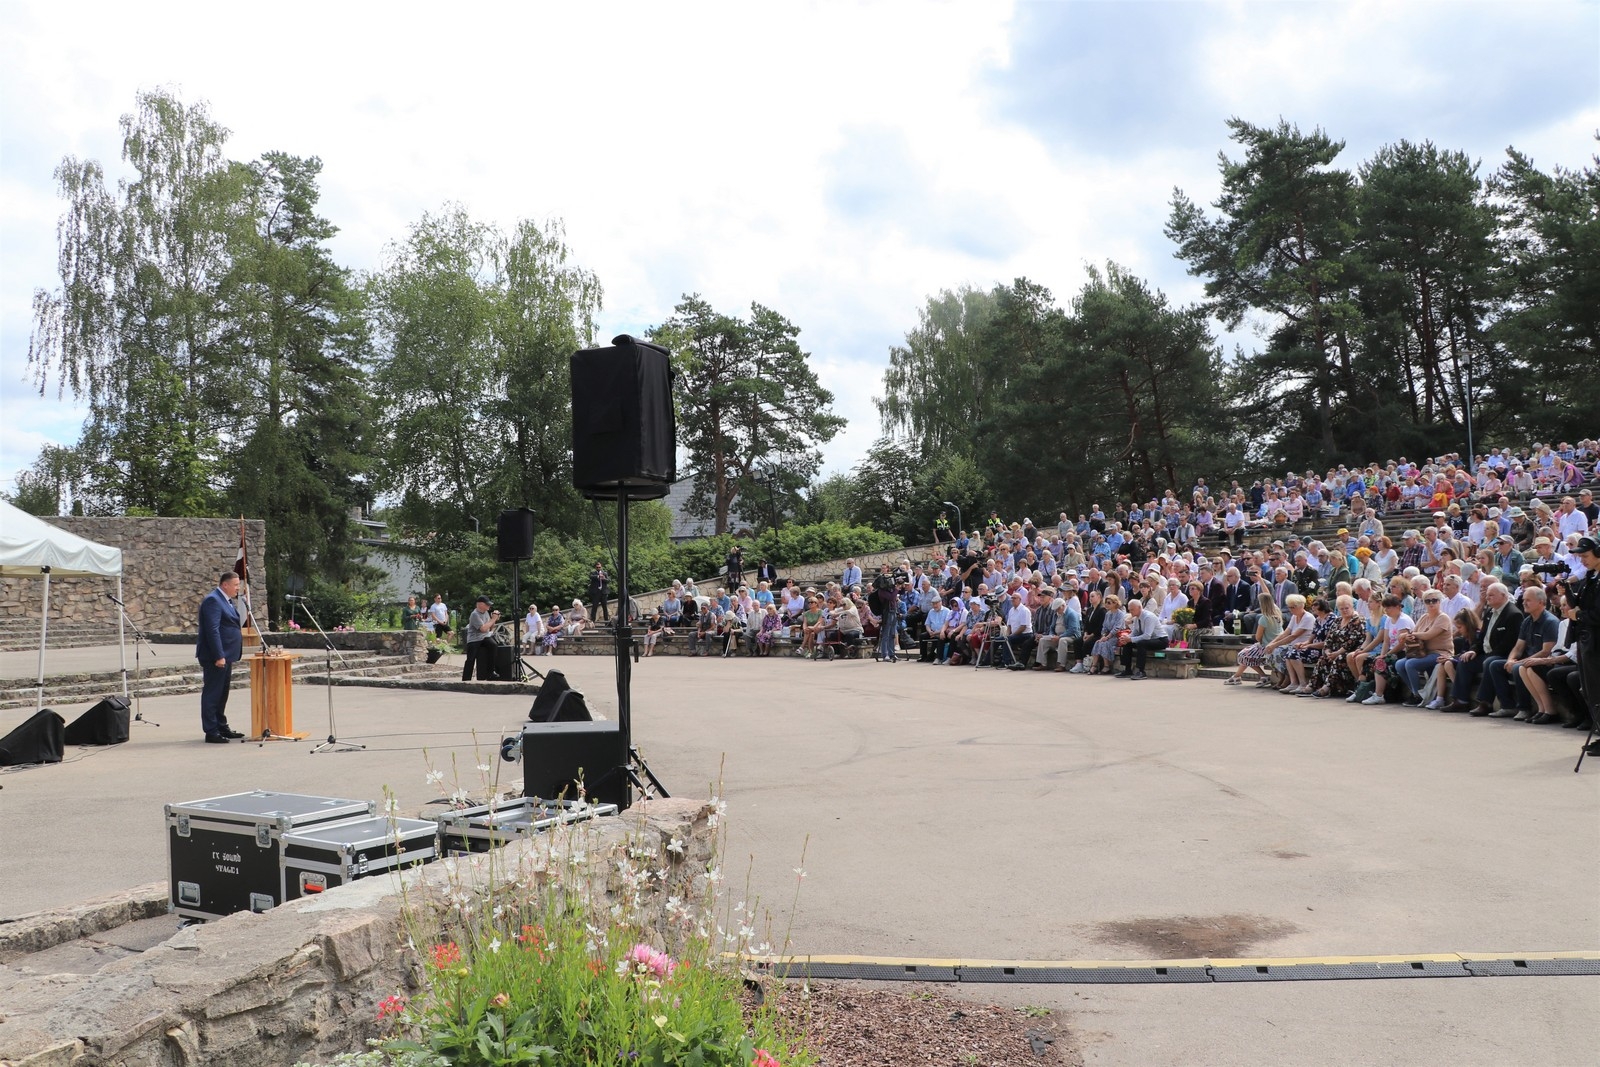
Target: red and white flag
x=241, y=567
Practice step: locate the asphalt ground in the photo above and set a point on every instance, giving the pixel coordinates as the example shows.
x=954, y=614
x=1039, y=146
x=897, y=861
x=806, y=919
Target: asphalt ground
x=947, y=812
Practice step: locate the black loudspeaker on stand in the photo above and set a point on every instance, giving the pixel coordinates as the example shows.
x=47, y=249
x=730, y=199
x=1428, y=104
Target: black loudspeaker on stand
x=624, y=447
x=514, y=543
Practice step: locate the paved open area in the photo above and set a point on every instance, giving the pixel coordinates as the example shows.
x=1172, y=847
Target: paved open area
x=946, y=812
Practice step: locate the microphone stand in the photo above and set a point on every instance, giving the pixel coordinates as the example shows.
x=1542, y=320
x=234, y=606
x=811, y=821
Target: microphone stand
x=139, y=638
x=332, y=744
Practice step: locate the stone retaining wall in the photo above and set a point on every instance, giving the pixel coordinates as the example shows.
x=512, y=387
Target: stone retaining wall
x=301, y=981
x=167, y=566
x=805, y=574
x=387, y=642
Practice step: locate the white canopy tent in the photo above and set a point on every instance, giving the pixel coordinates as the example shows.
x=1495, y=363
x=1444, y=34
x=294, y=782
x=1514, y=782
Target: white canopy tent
x=31, y=547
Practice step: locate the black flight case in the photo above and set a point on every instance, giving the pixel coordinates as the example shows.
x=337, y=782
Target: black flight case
x=320, y=857
x=225, y=854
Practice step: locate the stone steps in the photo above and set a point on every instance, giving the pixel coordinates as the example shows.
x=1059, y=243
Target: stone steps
x=172, y=680
x=20, y=635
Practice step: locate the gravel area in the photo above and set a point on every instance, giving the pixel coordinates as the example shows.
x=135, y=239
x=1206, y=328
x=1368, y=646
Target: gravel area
x=855, y=1024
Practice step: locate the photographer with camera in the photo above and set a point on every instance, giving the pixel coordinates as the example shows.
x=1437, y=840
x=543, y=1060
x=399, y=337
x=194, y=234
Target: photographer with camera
x=885, y=603
x=480, y=646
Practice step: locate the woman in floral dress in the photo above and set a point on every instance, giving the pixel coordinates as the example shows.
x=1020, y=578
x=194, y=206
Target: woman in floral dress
x=1348, y=631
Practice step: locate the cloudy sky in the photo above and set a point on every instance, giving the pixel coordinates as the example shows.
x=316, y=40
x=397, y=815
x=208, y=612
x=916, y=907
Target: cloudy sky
x=837, y=162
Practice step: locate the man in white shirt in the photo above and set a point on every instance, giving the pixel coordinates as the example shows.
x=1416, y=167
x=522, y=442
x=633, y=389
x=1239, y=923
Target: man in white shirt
x=1144, y=635
x=1569, y=520
x=1019, y=630
x=852, y=574
x=440, y=615
x=1454, y=599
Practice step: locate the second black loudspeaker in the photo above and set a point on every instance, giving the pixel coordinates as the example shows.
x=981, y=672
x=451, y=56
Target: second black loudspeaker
x=557, y=756
x=515, y=535
x=624, y=431
x=557, y=701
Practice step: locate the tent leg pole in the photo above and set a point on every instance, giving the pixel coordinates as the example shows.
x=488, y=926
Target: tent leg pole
x=122, y=639
x=44, y=631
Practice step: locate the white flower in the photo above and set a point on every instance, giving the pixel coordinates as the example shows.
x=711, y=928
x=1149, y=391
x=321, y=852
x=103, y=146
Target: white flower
x=675, y=845
x=494, y=946
x=483, y=768
x=714, y=875
x=391, y=805
x=459, y=796
x=800, y=873
x=622, y=968
x=435, y=777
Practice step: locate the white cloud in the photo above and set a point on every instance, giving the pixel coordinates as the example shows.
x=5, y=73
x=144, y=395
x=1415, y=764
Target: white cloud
x=713, y=148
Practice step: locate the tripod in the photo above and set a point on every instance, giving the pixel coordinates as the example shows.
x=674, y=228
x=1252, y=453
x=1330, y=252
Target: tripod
x=522, y=668
x=139, y=639
x=332, y=744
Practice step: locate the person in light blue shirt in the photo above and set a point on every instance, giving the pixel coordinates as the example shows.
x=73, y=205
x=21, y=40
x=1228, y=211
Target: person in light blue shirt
x=852, y=574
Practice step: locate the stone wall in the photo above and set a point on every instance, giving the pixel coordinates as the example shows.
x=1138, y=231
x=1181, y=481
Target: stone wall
x=806, y=574
x=301, y=981
x=167, y=566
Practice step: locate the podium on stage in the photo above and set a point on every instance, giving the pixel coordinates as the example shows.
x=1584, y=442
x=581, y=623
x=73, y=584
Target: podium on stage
x=272, y=696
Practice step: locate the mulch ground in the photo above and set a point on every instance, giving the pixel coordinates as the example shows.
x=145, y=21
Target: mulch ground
x=853, y=1024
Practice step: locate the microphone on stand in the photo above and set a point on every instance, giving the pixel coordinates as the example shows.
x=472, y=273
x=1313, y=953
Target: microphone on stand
x=114, y=600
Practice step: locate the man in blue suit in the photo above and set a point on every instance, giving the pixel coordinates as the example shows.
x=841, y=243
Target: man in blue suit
x=220, y=646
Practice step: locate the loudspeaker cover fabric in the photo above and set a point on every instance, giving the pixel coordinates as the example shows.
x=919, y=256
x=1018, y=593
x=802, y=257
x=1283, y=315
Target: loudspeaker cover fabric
x=624, y=428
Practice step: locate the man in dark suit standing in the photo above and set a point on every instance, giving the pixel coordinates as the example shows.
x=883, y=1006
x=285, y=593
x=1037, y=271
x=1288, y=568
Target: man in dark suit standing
x=220, y=646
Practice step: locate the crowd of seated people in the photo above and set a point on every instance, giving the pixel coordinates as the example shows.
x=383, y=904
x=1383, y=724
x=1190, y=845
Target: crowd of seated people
x=1404, y=598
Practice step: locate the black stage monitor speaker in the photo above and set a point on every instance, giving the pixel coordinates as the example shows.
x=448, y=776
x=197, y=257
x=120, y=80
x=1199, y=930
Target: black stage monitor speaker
x=515, y=530
x=557, y=701
x=624, y=430
x=37, y=740
x=504, y=662
x=555, y=755
x=104, y=724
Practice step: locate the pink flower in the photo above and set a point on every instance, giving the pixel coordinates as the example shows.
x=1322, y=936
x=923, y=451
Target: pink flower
x=446, y=954
x=390, y=1007
x=657, y=963
x=764, y=1059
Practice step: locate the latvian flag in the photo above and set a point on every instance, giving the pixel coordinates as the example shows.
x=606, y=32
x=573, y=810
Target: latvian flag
x=241, y=567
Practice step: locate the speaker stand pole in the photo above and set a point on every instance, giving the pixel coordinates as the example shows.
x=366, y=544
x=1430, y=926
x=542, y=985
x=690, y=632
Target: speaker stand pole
x=624, y=630
x=522, y=667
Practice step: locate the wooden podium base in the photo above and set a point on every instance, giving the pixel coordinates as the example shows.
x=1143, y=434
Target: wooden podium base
x=272, y=697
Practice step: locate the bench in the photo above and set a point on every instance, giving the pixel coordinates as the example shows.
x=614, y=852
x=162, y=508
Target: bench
x=1173, y=663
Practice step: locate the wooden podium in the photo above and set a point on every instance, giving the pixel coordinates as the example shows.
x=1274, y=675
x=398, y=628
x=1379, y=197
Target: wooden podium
x=272, y=697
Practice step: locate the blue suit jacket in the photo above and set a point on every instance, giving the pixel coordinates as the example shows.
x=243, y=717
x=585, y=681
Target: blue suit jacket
x=220, y=634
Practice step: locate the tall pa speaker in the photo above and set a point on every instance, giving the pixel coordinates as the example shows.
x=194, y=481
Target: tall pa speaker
x=556, y=755
x=38, y=740
x=557, y=701
x=515, y=535
x=104, y=724
x=624, y=430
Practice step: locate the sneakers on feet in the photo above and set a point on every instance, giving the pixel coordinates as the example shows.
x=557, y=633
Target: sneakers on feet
x=1375, y=699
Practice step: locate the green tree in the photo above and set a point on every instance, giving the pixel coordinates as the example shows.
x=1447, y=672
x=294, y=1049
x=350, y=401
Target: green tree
x=297, y=337
x=46, y=484
x=136, y=328
x=1550, y=329
x=1280, y=248
x=1427, y=291
x=749, y=396
x=944, y=380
